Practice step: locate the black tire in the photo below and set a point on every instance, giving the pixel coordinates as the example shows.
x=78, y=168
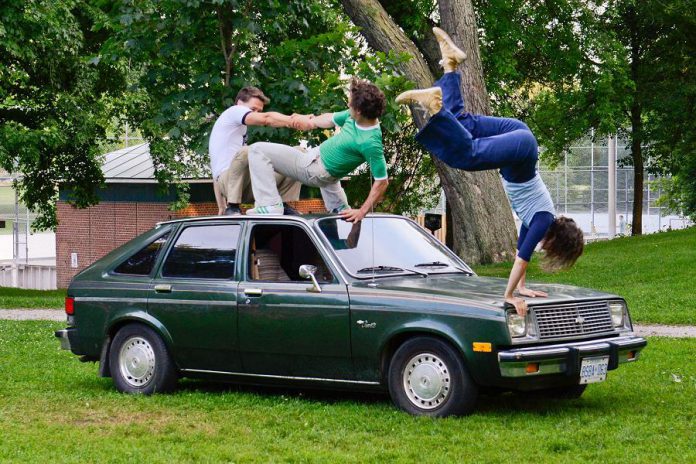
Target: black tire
x=445, y=387
x=140, y=362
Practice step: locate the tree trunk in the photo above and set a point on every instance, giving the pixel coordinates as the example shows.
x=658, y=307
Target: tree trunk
x=637, y=155
x=636, y=125
x=482, y=224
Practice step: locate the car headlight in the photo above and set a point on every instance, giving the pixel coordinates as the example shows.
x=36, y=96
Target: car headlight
x=517, y=325
x=617, y=310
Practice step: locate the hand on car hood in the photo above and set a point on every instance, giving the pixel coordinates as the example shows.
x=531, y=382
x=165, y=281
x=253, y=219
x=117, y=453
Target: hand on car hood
x=488, y=290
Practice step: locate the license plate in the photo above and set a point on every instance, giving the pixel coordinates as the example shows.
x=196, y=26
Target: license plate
x=594, y=369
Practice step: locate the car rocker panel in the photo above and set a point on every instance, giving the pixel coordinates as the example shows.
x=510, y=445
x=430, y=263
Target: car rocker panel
x=314, y=300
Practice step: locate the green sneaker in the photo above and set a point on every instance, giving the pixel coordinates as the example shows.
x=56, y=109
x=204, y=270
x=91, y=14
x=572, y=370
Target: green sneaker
x=272, y=209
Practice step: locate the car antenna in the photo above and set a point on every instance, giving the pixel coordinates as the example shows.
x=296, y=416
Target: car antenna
x=372, y=284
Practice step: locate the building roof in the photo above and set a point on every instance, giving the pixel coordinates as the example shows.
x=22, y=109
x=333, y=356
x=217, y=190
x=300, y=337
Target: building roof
x=134, y=165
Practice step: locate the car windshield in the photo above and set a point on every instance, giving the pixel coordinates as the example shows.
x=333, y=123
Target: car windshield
x=388, y=245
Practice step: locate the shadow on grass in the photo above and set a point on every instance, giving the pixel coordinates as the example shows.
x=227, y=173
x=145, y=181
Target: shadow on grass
x=487, y=404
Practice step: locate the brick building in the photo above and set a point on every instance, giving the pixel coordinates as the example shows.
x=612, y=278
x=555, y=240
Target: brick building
x=130, y=204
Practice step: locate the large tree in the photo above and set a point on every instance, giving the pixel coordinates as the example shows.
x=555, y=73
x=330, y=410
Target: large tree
x=568, y=66
x=482, y=223
x=56, y=104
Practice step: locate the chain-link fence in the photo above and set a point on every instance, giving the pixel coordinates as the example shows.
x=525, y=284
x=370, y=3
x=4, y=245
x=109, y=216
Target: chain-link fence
x=579, y=187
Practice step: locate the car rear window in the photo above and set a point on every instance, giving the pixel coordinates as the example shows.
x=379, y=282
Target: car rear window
x=141, y=262
x=204, y=252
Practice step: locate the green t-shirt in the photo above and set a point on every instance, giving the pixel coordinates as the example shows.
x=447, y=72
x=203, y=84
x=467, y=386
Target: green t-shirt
x=353, y=146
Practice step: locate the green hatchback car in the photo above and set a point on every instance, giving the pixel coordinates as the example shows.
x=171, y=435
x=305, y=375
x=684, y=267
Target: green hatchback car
x=314, y=301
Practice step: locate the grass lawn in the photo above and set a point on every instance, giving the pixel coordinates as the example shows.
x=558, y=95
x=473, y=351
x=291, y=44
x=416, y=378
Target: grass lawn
x=55, y=408
x=12, y=298
x=655, y=273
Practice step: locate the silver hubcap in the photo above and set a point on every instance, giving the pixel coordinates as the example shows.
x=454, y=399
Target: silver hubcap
x=137, y=361
x=426, y=381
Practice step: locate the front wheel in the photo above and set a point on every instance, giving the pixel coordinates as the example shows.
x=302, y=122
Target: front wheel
x=140, y=362
x=427, y=377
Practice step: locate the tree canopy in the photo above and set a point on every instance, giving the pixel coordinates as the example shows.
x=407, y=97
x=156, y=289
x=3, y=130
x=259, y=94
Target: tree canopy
x=56, y=105
x=623, y=66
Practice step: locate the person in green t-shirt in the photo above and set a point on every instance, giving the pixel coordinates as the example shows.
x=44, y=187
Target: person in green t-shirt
x=358, y=141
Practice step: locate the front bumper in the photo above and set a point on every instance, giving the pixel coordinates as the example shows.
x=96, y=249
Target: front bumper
x=566, y=358
x=64, y=337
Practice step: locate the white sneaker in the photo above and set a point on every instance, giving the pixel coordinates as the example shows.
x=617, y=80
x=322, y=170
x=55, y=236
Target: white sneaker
x=272, y=209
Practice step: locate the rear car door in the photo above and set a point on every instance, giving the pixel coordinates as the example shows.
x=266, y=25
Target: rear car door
x=285, y=329
x=194, y=295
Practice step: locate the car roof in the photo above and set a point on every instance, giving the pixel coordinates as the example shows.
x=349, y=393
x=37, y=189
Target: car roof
x=305, y=218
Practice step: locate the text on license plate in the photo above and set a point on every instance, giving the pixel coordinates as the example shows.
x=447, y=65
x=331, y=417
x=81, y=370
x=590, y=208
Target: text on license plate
x=594, y=369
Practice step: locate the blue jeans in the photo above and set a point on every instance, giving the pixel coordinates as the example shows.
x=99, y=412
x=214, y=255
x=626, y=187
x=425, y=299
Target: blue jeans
x=477, y=143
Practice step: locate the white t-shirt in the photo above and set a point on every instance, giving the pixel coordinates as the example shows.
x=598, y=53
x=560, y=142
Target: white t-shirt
x=227, y=137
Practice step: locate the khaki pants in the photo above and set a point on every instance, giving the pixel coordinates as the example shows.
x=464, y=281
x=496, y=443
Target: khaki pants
x=234, y=183
x=307, y=167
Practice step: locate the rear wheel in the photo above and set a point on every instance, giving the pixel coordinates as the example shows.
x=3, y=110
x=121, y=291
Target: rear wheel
x=140, y=362
x=427, y=377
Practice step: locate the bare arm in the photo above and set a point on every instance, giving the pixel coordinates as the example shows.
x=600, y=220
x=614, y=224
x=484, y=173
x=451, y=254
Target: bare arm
x=271, y=119
x=379, y=187
x=519, y=269
x=323, y=121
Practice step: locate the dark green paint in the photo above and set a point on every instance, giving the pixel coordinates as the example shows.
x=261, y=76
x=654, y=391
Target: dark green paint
x=212, y=325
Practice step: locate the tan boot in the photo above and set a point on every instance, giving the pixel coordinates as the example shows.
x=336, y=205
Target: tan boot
x=430, y=99
x=451, y=54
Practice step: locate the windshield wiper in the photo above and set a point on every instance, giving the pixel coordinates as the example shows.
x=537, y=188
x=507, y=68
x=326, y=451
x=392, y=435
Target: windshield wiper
x=433, y=264
x=390, y=269
x=441, y=264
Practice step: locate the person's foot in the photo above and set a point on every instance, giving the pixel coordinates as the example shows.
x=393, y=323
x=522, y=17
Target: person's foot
x=430, y=99
x=290, y=211
x=232, y=209
x=339, y=209
x=272, y=209
x=451, y=54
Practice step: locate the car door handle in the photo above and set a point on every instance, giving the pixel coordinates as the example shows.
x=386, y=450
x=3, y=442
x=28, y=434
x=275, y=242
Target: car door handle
x=163, y=288
x=253, y=291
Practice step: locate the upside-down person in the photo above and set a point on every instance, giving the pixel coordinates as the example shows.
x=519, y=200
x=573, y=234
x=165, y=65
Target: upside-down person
x=358, y=141
x=475, y=143
x=229, y=153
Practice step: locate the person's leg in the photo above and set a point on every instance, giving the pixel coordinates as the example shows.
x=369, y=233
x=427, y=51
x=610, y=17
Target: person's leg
x=265, y=159
x=488, y=126
x=451, y=85
x=235, y=179
x=288, y=187
x=332, y=192
x=446, y=138
x=220, y=200
x=334, y=197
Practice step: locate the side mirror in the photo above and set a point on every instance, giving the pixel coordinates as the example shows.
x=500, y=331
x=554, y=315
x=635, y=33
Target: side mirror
x=307, y=271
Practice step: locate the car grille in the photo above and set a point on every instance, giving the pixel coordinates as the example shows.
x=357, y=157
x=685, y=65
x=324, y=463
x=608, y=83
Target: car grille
x=568, y=320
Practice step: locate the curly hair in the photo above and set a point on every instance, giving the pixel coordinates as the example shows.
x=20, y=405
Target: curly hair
x=563, y=244
x=366, y=98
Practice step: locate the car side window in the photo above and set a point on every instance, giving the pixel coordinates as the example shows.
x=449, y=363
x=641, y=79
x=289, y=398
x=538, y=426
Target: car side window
x=204, y=252
x=141, y=263
x=278, y=250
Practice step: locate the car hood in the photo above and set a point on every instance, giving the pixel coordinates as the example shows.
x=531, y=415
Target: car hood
x=486, y=290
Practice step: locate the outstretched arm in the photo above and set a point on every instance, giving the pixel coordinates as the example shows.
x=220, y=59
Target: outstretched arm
x=517, y=274
x=323, y=121
x=376, y=194
x=271, y=119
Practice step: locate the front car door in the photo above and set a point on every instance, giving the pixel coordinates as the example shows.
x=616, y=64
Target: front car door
x=285, y=329
x=194, y=295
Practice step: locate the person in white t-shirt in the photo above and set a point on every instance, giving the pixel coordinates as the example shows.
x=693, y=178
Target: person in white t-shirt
x=228, y=151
